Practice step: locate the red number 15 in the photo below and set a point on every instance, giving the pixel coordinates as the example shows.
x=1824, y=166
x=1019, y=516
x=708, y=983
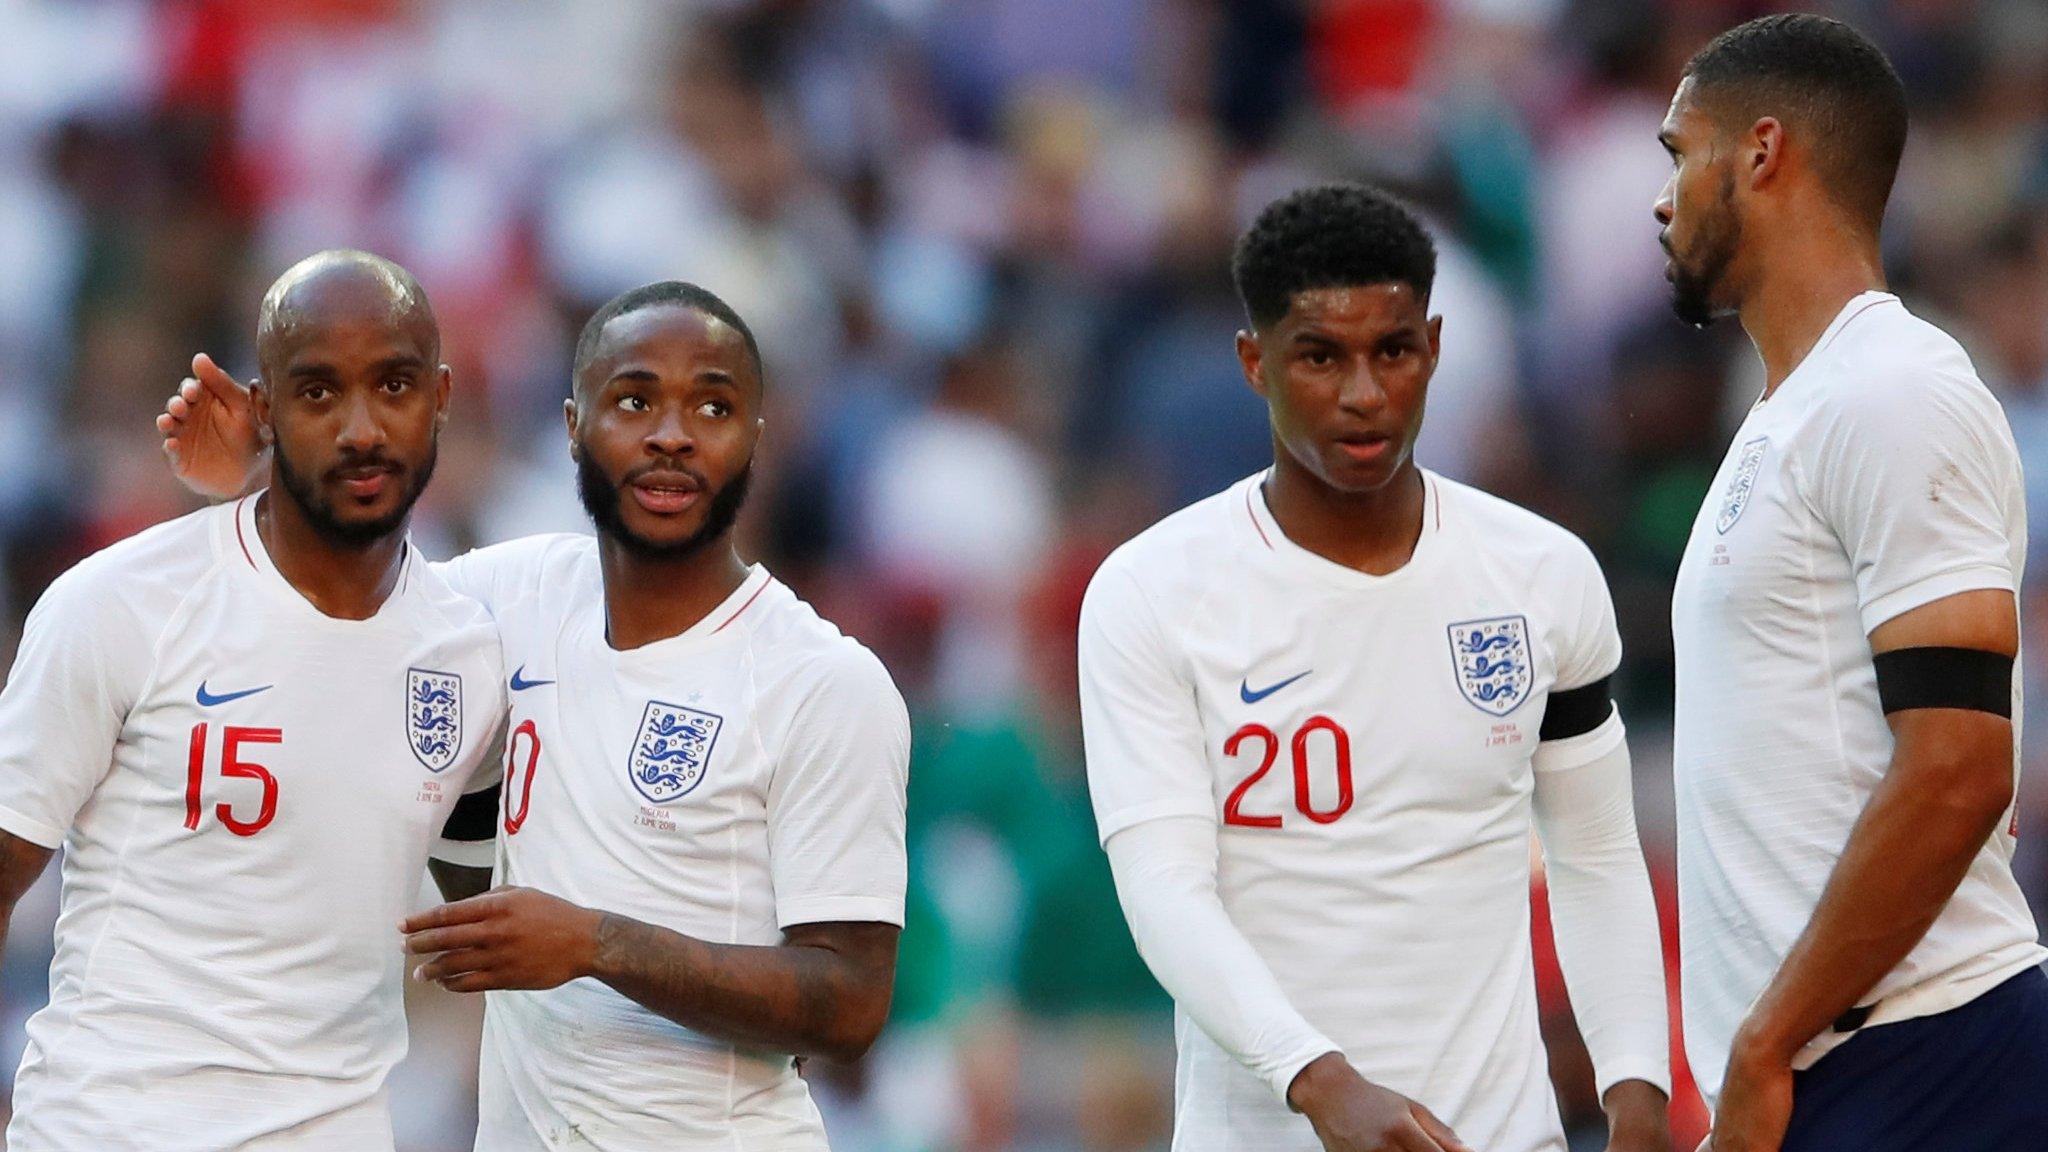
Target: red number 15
x=231, y=764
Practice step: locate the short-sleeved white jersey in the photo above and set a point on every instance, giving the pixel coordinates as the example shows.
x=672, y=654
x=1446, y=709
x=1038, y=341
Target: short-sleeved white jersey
x=1364, y=743
x=726, y=783
x=1880, y=476
x=246, y=791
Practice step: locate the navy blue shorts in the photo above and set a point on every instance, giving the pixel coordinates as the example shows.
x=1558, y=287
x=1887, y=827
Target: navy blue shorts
x=1972, y=1079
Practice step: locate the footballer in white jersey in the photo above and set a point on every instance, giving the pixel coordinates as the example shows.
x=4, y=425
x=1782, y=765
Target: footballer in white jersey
x=702, y=860
x=247, y=785
x=731, y=781
x=703, y=836
x=1324, y=711
x=1860, y=968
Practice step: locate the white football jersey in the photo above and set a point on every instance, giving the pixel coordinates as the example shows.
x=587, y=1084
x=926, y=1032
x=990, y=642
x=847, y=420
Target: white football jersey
x=1879, y=477
x=1364, y=743
x=742, y=777
x=246, y=791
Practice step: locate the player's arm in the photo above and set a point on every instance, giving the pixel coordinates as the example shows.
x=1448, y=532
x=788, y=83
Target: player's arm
x=210, y=435
x=1150, y=781
x=1945, y=673
x=823, y=991
x=1603, y=914
x=61, y=712
x=838, y=868
x=20, y=863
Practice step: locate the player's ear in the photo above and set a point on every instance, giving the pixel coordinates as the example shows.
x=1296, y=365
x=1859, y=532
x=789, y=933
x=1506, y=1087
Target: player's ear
x=444, y=390
x=1766, y=151
x=1249, y=357
x=259, y=410
x=1436, y=338
x=569, y=421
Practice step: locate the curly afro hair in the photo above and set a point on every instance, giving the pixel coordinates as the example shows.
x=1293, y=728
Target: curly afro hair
x=1329, y=236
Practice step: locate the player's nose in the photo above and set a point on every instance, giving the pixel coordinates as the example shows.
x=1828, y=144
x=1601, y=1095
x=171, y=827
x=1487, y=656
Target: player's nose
x=670, y=434
x=1662, y=208
x=360, y=428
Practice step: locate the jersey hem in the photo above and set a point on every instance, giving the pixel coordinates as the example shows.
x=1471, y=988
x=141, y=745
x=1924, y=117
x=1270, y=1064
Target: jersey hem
x=1930, y=999
x=30, y=829
x=466, y=853
x=1145, y=814
x=1925, y=591
x=835, y=909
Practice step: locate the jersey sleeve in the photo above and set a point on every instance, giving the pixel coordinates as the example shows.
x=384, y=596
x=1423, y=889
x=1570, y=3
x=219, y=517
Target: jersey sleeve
x=76, y=674
x=1139, y=724
x=498, y=573
x=1913, y=477
x=836, y=802
x=1590, y=645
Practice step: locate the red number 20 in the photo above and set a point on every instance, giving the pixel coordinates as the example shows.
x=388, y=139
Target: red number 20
x=231, y=764
x=1340, y=740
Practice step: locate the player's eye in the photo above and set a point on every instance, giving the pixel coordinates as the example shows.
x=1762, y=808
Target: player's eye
x=1396, y=350
x=315, y=392
x=632, y=402
x=397, y=384
x=1319, y=357
x=716, y=409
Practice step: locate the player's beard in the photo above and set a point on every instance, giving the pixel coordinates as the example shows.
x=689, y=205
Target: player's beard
x=1696, y=281
x=319, y=510
x=602, y=499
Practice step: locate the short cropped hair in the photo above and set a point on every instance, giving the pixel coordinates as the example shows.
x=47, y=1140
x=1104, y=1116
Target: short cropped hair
x=1329, y=236
x=661, y=292
x=1824, y=81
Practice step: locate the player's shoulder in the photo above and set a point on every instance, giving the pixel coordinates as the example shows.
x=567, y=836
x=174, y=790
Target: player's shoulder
x=507, y=572
x=796, y=649
x=1493, y=525
x=153, y=570
x=541, y=555
x=1184, y=547
x=1888, y=364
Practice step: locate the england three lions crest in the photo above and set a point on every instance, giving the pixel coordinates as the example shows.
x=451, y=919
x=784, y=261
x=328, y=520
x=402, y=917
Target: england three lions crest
x=1492, y=662
x=1741, y=484
x=433, y=716
x=672, y=750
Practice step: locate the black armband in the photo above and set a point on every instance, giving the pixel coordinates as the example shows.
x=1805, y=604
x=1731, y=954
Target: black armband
x=1577, y=711
x=1944, y=678
x=475, y=819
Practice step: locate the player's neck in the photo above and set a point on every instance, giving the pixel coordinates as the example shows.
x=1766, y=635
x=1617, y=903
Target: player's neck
x=646, y=599
x=1811, y=279
x=1373, y=532
x=348, y=582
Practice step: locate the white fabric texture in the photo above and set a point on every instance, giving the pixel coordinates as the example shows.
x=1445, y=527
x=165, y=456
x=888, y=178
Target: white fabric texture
x=741, y=777
x=227, y=970
x=1361, y=749
x=1879, y=477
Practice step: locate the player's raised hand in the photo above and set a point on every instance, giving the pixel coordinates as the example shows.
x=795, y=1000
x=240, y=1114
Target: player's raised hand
x=1352, y=1114
x=209, y=430
x=505, y=938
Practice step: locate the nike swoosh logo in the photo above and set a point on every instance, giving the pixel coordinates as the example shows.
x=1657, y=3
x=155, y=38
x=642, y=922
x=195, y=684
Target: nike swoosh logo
x=521, y=684
x=1245, y=693
x=208, y=699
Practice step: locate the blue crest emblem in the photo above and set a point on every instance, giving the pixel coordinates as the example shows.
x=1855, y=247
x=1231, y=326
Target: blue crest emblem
x=433, y=716
x=672, y=750
x=1741, y=484
x=1492, y=660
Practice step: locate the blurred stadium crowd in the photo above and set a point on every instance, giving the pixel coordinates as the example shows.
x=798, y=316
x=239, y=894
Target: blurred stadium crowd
x=985, y=245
